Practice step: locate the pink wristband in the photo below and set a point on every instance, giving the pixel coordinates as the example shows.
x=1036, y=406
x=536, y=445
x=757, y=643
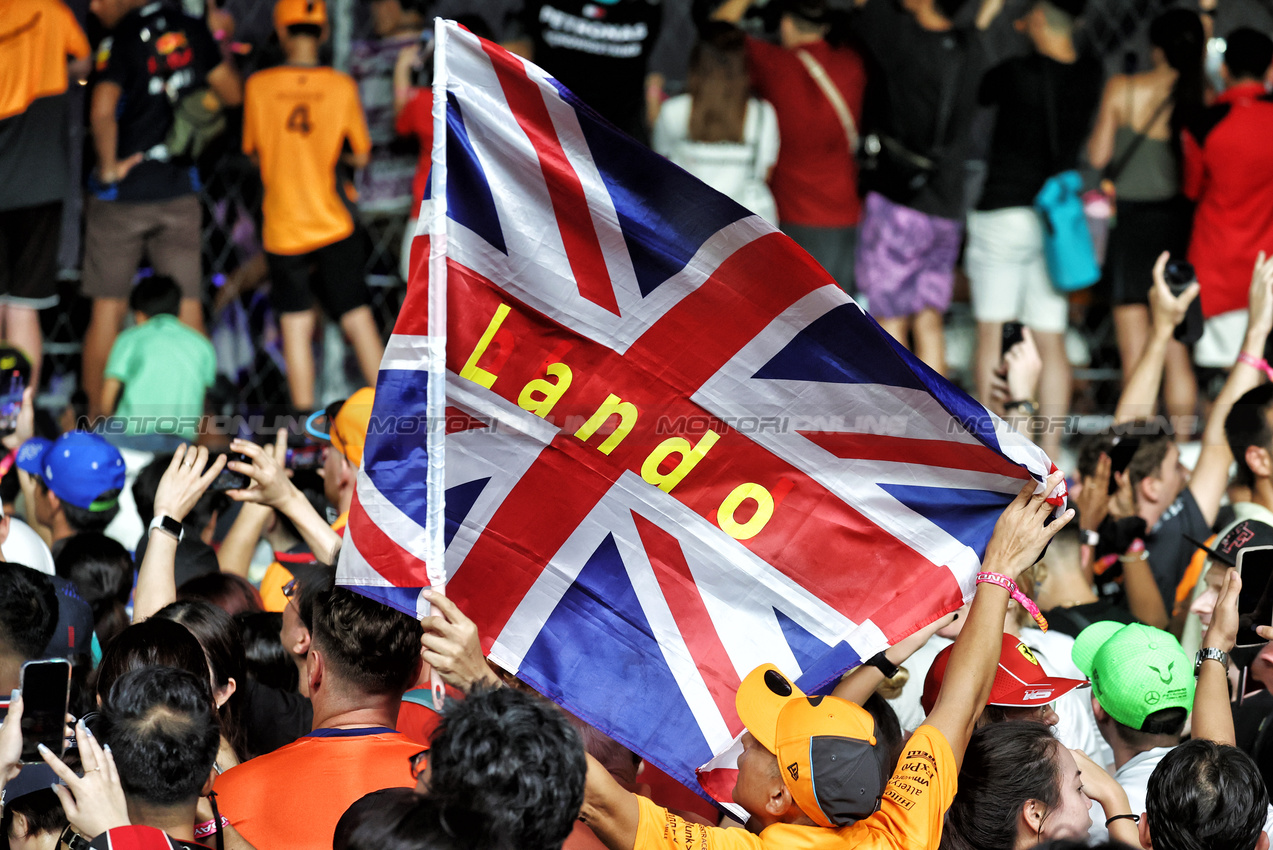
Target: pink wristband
x=208, y=827
x=1256, y=363
x=1015, y=592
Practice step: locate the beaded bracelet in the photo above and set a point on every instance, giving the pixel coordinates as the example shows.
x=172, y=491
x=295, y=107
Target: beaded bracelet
x=1015, y=592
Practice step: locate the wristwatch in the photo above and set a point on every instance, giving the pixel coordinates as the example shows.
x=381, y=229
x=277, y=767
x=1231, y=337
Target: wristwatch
x=1209, y=653
x=1028, y=407
x=880, y=662
x=1089, y=537
x=167, y=525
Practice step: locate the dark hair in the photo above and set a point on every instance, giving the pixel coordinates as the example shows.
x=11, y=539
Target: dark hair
x=807, y=15
x=1178, y=33
x=219, y=637
x=41, y=810
x=1006, y=764
x=1090, y=449
x=1247, y=54
x=28, y=610
x=163, y=736
x=380, y=810
x=318, y=581
x=1203, y=795
x=407, y=822
x=152, y=642
x=102, y=571
x=1148, y=459
x=232, y=593
x=718, y=84
x=515, y=758
x=82, y=519
x=155, y=295
x=147, y=482
x=1166, y=721
x=268, y=661
x=1248, y=425
x=367, y=644
x=888, y=729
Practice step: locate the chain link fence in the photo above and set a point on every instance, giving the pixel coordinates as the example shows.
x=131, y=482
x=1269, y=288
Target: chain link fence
x=244, y=327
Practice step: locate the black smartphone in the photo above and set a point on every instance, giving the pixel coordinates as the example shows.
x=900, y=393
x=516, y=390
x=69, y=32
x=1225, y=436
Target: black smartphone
x=11, y=404
x=1179, y=274
x=46, y=693
x=1255, y=606
x=1013, y=332
x=1121, y=453
x=301, y=458
x=231, y=480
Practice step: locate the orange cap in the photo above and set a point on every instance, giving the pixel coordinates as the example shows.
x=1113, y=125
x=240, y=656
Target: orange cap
x=349, y=425
x=289, y=12
x=825, y=746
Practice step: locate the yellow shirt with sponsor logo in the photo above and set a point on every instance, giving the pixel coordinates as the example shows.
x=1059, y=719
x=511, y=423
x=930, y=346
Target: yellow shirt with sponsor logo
x=910, y=815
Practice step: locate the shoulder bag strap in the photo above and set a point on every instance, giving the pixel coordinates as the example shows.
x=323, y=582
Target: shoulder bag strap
x=757, y=124
x=819, y=74
x=1116, y=168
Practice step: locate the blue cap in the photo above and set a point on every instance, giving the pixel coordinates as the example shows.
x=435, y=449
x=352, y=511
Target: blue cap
x=31, y=453
x=78, y=467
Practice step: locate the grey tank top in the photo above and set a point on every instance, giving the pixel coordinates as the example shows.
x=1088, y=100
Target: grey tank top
x=1152, y=174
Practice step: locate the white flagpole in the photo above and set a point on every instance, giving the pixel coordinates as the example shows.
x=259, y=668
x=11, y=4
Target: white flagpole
x=436, y=393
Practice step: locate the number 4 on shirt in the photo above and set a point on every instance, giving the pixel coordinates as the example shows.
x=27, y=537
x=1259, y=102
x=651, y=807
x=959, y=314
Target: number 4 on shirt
x=298, y=120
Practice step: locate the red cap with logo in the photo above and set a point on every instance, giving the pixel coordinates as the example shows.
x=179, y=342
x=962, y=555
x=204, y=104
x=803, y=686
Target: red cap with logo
x=1020, y=681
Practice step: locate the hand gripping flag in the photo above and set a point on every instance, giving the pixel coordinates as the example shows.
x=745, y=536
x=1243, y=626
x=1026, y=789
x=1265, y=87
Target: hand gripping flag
x=644, y=439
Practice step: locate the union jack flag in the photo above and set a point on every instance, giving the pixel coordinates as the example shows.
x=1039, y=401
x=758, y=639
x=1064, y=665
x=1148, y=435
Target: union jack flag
x=674, y=449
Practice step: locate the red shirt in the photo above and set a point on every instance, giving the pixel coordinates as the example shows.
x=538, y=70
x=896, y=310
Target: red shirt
x=814, y=181
x=416, y=119
x=1228, y=170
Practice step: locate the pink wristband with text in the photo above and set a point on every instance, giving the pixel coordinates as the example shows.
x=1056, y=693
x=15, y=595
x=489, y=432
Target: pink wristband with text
x=1015, y=592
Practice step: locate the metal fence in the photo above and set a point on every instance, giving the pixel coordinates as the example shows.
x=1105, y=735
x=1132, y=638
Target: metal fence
x=231, y=196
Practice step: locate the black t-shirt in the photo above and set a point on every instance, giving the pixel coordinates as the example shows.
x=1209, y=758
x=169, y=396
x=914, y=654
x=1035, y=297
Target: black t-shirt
x=1169, y=552
x=157, y=54
x=274, y=718
x=1030, y=145
x=920, y=73
x=1070, y=621
x=599, y=51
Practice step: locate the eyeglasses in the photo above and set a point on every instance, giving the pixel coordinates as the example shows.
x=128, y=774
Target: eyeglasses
x=289, y=589
x=418, y=763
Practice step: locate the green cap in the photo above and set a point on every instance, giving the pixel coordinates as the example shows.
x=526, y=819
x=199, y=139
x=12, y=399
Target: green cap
x=1135, y=670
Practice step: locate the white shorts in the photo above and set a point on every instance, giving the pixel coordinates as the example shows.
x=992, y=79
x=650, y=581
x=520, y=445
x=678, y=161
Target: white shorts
x=1008, y=273
x=1221, y=340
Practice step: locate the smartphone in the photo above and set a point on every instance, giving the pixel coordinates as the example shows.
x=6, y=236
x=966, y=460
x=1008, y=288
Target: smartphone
x=1179, y=274
x=301, y=458
x=1121, y=453
x=1013, y=332
x=11, y=404
x=231, y=480
x=1255, y=606
x=46, y=693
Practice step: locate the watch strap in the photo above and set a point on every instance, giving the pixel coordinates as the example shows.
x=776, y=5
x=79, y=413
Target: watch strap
x=1209, y=653
x=880, y=662
x=167, y=525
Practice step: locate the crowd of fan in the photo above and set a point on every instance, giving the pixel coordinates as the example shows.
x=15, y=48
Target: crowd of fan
x=218, y=700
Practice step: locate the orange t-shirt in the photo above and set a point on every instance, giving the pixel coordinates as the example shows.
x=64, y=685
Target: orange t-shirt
x=291, y=799
x=36, y=36
x=297, y=120
x=910, y=814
